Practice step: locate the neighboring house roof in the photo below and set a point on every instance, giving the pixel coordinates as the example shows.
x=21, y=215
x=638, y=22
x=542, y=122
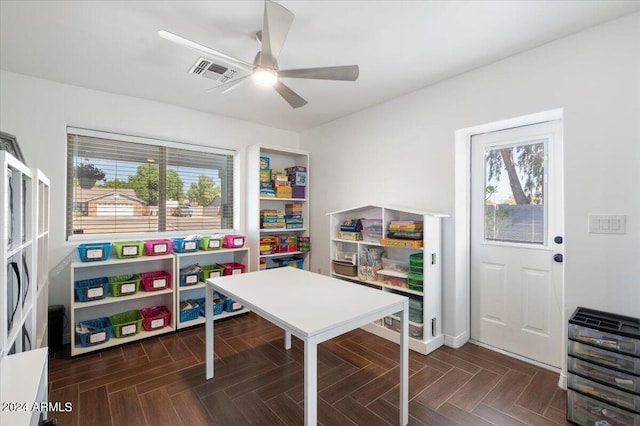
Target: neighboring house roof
x=94, y=194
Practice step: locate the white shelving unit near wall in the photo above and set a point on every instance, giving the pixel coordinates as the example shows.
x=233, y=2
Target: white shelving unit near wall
x=279, y=158
x=197, y=291
x=40, y=273
x=24, y=238
x=89, y=310
x=425, y=329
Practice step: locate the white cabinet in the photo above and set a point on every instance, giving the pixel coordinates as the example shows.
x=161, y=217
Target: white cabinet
x=24, y=234
x=24, y=388
x=193, y=286
x=257, y=202
x=95, y=307
x=394, y=260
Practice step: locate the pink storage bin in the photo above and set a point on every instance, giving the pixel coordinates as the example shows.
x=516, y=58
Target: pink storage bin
x=233, y=241
x=157, y=247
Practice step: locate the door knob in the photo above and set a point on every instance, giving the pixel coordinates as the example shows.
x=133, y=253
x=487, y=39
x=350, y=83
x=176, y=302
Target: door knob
x=557, y=240
x=558, y=257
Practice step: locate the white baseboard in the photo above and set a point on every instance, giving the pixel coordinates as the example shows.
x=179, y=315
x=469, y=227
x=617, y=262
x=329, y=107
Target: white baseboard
x=562, y=380
x=456, y=341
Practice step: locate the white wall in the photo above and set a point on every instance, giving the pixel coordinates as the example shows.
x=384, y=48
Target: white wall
x=402, y=152
x=37, y=112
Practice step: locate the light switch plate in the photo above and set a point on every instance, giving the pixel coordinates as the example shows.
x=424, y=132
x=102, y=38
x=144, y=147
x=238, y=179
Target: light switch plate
x=607, y=224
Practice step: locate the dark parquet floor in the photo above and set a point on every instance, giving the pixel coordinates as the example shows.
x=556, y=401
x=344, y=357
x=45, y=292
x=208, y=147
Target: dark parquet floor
x=160, y=381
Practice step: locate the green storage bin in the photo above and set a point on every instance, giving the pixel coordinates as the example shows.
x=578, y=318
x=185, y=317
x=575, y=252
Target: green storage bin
x=416, y=259
x=416, y=311
x=414, y=282
x=210, y=243
x=127, y=249
x=126, y=323
x=124, y=285
x=212, y=271
x=416, y=263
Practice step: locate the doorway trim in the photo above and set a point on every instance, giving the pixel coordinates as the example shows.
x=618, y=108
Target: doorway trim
x=462, y=228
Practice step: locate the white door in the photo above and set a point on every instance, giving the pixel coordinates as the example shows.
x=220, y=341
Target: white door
x=516, y=241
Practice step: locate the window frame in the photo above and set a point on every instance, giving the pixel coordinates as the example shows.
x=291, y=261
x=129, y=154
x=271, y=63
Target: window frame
x=159, y=142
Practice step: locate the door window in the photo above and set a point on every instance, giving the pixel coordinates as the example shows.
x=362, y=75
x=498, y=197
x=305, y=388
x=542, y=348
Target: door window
x=514, y=206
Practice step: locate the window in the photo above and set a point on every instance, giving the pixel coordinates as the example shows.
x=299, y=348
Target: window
x=120, y=184
x=514, y=193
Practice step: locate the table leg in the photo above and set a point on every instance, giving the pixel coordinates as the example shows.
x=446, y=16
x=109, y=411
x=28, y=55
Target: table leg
x=404, y=365
x=310, y=383
x=208, y=304
x=287, y=340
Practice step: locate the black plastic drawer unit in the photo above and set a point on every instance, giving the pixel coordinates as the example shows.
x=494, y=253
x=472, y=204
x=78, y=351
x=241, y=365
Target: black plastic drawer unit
x=604, y=369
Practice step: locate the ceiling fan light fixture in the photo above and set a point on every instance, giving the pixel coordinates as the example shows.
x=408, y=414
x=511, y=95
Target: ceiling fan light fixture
x=265, y=77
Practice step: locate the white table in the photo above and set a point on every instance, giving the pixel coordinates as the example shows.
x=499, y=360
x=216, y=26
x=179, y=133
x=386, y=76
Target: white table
x=314, y=308
x=23, y=385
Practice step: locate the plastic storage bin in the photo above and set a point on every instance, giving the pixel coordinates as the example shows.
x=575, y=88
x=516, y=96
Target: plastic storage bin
x=345, y=268
x=586, y=411
x=396, y=265
x=190, y=275
x=218, y=304
x=156, y=280
x=372, y=225
x=91, y=289
x=155, y=318
x=416, y=263
x=233, y=241
x=415, y=282
x=293, y=262
x=211, y=243
x=212, y=271
x=607, y=331
x=98, y=331
x=614, y=378
x=390, y=277
x=189, y=310
x=232, y=268
x=416, y=310
x=124, y=285
x=126, y=323
x=180, y=245
x=92, y=252
x=371, y=236
x=157, y=247
x=393, y=323
x=604, y=358
x=619, y=398
x=127, y=249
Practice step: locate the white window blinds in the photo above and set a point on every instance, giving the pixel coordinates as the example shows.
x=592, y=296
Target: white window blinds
x=125, y=185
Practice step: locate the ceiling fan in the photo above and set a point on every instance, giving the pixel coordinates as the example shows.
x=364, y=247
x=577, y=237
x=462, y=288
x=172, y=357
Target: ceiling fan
x=231, y=71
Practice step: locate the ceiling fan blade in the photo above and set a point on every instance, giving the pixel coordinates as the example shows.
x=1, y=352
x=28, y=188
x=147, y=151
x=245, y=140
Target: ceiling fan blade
x=229, y=85
x=205, y=50
x=275, y=27
x=289, y=95
x=346, y=73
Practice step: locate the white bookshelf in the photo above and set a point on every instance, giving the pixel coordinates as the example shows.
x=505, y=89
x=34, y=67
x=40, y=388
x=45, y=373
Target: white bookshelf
x=425, y=333
x=24, y=239
x=279, y=158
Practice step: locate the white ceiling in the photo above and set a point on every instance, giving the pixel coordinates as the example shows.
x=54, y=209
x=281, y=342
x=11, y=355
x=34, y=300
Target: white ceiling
x=400, y=46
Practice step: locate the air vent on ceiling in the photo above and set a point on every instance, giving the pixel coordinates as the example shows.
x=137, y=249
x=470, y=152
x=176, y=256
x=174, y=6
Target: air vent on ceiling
x=207, y=68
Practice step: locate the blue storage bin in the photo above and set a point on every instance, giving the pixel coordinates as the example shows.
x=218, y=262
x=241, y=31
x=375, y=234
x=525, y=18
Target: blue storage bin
x=189, y=279
x=91, y=252
x=99, y=331
x=218, y=308
x=91, y=289
x=191, y=313
x=180, y=245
